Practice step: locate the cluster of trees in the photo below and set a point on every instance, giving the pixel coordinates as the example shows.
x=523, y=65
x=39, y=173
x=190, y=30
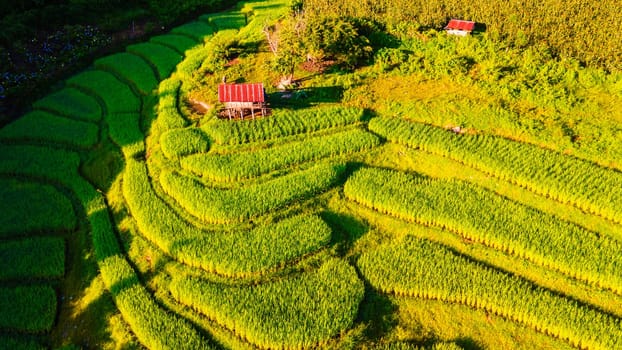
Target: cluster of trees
x=348, y=41
x=586, y=30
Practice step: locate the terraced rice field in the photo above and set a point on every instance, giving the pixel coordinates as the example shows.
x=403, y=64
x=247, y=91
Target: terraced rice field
x=318, y=227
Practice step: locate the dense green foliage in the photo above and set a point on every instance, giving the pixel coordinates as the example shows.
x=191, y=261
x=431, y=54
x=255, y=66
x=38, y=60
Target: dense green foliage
x=337, y=38
x=221, y=206
x=584, y=184
x=153, y=326
x=225, y=21
x=196, y=30
x=586, y=30
x=71, y=103
x=179, y=43
x=264, y=248
x=161, y=57
x=282, y=123
x=15, y=343
x=238, y=166
x=182, y=262
x=124, y=130
x=180, y=142
x=30, y=207
x=28, y=309
x=412, y=346
x=495, y=221
x=422, y=269
x=290, y=313
x=116, y=96
x=44, y=126
x=235, y=253
x=42, y=257
x=130, y=68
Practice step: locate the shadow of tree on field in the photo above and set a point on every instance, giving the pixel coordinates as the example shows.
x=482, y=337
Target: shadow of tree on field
x=305, y=97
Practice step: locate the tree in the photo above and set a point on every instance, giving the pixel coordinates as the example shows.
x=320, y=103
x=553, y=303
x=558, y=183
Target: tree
x=339, y=39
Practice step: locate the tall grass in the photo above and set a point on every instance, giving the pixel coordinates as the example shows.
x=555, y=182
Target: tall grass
x=177, y=42
x=224, y=206
x=196, y=30
x=27, y=308
x=282, y=123
x=490, y=219
x=238, y=166
x=418, y=268
x=569, y=180
x=153, y=326
x=45, y=127
x=29, y=207
x=116, y=96
x=292, y=313
x=71, y=103
x=42, y=257
x=177, y=143
x=236, y=253
x=132, y=68
x=162, y=58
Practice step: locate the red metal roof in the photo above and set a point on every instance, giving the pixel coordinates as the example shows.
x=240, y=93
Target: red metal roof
x=458, y=24
x=241, y=92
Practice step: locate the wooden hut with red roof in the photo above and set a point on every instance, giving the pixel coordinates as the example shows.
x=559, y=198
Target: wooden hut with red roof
x=459, y=27
x=241, y=98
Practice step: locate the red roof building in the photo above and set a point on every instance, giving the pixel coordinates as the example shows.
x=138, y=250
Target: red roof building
x=459, y=27
x=241, y=92
x=238, y=98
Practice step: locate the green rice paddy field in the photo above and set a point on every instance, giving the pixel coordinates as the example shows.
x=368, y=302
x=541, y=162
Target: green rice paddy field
x=346, y=221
